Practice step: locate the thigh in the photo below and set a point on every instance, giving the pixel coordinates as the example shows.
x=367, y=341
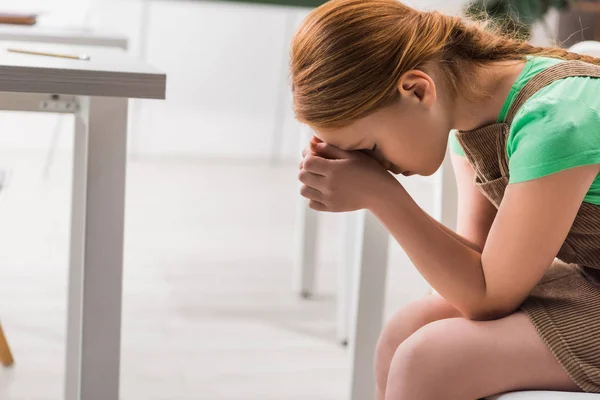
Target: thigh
x=474, y=359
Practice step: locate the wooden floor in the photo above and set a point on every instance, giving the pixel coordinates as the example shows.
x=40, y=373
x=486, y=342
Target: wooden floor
x=208, y=309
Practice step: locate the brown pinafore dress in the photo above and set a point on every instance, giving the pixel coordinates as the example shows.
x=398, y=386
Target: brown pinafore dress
x=565, y=305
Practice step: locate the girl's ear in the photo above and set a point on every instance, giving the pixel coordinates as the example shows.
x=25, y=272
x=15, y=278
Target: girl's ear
x=416, y=86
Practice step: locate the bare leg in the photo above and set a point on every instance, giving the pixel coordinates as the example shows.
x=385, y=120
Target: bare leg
x=406, y=322
x=459, y=359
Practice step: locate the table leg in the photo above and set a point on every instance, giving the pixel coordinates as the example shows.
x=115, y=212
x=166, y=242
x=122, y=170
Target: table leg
x=53, y=146
x=371, y=257
x=95, y=278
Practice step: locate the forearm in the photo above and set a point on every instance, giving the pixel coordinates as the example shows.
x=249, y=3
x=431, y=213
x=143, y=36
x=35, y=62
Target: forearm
x=450, y=263
x=457, y=236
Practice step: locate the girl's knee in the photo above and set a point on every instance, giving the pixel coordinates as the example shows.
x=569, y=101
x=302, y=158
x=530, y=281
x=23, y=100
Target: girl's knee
x=412, y=356
x=410, y=319
x=396, y=330
x=425, y=357
x=392, y=335
x=403, y=325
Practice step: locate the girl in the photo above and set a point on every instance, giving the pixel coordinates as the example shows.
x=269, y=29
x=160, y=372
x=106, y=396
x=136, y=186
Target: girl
x=518, y=307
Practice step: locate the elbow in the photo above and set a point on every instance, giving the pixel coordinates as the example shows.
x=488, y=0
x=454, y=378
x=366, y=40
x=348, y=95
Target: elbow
x=487, y=312
x=482, y=315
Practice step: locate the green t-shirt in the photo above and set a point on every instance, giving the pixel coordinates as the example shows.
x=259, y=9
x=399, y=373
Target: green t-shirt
x=556, y=129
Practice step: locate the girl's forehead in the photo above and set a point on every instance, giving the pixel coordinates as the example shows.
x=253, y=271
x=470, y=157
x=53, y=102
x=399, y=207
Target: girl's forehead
x=349, y=137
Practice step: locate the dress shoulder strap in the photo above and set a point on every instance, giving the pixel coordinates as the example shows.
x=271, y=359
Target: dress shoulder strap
x=556, y=72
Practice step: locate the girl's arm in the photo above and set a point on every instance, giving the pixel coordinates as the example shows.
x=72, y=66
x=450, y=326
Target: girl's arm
x=530, y=227
x=475, y=213
x=525, y=236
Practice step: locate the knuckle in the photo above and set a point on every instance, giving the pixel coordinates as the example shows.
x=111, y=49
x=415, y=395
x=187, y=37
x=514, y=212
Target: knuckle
x=302, y=175
x=315, y=205
x=304, y=190
x=309, y=161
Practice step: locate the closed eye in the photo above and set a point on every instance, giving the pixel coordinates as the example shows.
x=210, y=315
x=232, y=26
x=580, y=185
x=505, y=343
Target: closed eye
x=370, y=150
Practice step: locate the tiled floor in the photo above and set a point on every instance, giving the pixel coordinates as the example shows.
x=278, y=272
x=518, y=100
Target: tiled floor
x=208, y=308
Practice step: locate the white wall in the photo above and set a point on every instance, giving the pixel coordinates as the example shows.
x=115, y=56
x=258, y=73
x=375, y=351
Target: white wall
x=227, y=68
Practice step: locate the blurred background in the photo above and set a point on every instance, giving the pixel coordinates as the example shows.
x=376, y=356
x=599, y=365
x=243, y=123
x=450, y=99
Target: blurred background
x=209, y=310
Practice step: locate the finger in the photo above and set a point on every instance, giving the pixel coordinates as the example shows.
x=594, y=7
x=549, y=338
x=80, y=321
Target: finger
x=310, y=179
x=305, y=151
x=316, y=165
x=317, y=206
x=316, y=139
x=311, y=193
x=328, y=151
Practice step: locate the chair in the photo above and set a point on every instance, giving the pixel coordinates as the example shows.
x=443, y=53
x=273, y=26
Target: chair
x=544, y=395
x=588, y=47
x=6, y=358
x=361, y=295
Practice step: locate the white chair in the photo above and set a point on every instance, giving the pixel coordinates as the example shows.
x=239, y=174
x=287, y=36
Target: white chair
x=544, y=395
x=588, y=47
x=6, y=358
x=361, y=288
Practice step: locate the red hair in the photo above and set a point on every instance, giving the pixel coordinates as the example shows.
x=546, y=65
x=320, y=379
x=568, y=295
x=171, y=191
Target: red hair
x=348, y=56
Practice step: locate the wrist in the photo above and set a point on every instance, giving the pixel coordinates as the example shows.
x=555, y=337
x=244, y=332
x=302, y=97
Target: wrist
x=386, y=193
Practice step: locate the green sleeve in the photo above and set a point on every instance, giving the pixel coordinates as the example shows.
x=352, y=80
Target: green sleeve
x=455, y=147
x=549, y=135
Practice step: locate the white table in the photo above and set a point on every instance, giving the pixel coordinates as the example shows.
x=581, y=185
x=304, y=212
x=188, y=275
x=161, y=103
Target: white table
x=70, y=36
x=62, y=35
x=97, y=92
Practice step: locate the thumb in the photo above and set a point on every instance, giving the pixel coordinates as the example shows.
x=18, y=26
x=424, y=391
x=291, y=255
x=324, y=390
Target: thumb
x=328, y=151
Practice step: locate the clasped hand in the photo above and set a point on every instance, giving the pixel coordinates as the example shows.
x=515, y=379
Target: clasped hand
x=336, y=180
